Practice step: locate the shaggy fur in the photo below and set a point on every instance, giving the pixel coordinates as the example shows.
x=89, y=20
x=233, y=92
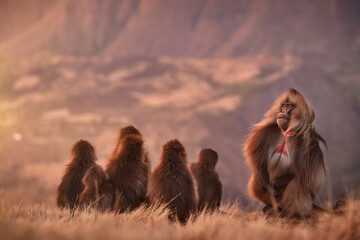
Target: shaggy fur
x=98, y=192
x=122, y=134
x=297, y=185
x=70, y=188
x=172, y=183
x=128, y=172
x=207, y=179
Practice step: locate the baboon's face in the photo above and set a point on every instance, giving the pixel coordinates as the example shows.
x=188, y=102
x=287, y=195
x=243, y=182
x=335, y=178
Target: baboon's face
x=284, y=116
x=294, y=113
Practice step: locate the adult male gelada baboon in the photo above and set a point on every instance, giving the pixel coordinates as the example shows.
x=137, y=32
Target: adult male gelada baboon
x=285, y=157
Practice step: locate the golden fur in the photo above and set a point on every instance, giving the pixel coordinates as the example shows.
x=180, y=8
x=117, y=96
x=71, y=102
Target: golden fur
x=300, y=180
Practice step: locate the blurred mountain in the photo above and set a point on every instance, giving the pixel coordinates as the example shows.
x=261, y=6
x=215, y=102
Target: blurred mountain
x=201, y=71
x=189, y=28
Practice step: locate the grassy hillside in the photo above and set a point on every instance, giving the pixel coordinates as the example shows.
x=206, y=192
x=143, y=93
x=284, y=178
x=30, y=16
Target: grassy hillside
x=20, y=221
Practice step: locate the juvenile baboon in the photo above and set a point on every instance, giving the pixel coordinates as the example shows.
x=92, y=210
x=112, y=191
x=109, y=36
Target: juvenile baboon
x=171, y=182
x=83, y=157
x=128, y=171
x=285, y=157
x=98, y=192
x=207, y=179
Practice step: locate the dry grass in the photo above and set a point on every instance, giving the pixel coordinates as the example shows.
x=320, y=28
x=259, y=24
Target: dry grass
x=20, y=221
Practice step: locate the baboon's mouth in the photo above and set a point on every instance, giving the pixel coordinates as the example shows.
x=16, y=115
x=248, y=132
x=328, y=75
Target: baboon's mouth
x=282, y=116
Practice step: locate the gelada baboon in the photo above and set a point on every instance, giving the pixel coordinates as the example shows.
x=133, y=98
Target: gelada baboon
x=98, y=192
x=171, y=182
x=129, y=130
x=123, y=133
x=207, y=179
x=128, y=171
x=70, y=188
x=285, y=157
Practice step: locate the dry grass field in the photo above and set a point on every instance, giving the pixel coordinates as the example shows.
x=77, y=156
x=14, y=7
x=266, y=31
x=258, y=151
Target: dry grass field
x=21, y=221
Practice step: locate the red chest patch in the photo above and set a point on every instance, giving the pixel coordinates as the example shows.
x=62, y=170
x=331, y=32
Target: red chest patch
x=282, y=148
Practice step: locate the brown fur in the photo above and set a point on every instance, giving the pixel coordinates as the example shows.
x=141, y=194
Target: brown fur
x=296, y=185
x=129, y=130
x=208, y=183
x=98, y=192
x=172, y=183
x=122, y=134
x=70, y=188
x=128, y=172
